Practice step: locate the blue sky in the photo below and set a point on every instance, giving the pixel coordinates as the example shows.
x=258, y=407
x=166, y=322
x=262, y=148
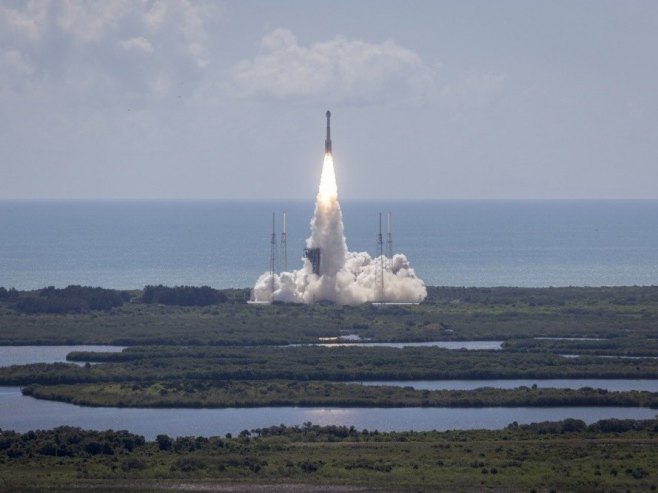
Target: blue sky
x=137, y=99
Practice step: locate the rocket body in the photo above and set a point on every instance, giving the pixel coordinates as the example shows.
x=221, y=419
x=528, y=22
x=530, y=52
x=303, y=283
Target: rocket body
x=327, y=142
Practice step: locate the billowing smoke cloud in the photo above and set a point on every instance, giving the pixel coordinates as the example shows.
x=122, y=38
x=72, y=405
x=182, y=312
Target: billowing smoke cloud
x=347, y=278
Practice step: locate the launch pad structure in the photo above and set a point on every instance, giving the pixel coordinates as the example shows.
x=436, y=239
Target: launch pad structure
x=273, y=252
x=284, y=246
x=313, y=256
x=279, y=251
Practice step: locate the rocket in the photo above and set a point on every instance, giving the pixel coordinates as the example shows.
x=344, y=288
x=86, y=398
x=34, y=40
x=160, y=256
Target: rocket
x=327, y=142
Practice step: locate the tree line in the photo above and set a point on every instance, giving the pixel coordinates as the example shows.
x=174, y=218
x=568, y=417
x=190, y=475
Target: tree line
x=85, y=299
x=183, y=295
x=67, y=441
x=71, y=299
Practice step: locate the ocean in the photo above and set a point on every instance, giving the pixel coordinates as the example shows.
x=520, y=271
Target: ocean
x=128, y=244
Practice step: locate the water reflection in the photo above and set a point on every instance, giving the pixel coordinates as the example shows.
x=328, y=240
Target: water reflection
x=21, y=413
x=467, y=345
x=576, y=383
x=25, y=355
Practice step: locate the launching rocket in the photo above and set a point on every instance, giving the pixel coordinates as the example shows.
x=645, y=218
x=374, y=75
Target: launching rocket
x=327, y=142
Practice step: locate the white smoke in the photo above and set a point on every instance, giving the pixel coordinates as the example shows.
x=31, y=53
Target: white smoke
x=346, y=278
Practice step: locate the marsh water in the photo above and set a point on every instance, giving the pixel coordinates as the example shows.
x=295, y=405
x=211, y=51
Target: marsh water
x=557, y=383
x=22, y=413
x=25, y=355
x=25, y=413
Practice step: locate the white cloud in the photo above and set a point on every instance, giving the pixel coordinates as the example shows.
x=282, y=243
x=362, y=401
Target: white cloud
x=187, y=20
x=138, y=44
x=74, y=44
x=339, y=70
x=155, y=16
x=28, y=22
x=91, y=21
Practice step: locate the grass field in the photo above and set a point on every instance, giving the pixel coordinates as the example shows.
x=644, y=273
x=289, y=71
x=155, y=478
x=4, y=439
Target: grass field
x=626, y=315
x=563, y=456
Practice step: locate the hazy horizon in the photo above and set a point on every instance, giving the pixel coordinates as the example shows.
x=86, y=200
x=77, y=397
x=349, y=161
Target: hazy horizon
x=180, y=100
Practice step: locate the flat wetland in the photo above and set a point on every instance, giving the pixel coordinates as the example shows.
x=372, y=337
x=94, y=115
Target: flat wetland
x=231, y=354
x=563, y=456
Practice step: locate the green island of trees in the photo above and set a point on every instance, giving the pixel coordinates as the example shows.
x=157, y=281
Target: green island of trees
x=237, y=393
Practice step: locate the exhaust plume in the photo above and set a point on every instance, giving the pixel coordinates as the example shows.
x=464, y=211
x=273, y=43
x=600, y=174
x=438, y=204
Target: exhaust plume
x=347, y=278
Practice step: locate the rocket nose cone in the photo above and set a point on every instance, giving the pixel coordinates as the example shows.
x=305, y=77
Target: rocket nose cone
x=328, y=113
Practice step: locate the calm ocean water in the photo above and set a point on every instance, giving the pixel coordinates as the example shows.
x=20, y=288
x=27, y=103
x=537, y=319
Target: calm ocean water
x=226, y=244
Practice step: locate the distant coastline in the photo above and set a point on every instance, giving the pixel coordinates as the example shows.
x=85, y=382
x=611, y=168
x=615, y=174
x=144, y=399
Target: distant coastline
x=128, y=244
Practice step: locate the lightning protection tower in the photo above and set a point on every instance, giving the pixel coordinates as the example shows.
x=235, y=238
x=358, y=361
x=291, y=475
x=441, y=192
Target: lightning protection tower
x=273, y=264
x=379, y=269
x=284, y=246
x=389, y=239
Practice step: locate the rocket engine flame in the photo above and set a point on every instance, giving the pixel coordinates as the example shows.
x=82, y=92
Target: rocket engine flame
x=328, y=190
x=348, y=278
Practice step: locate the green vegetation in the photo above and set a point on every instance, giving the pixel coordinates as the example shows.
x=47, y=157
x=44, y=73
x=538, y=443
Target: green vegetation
x=228, y=353
x=234, y=344
x=620, y=346
x=319, y=363
x=183, y=295
x=564, y=296
x=72, y=299
x=223, y=350
x=298, y=375
x=611, y=455
x=621, y=314
x=83, y=299
x=200, y=393
x=8, y=294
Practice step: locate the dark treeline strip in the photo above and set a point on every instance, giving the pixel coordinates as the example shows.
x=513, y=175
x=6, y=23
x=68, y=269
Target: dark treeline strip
x=84, y=299
x=67, y=441
x=610, y=455
x=8, y=294
x=183, y=295
x=607, y=347
x=561, y=296
x=617, y=295
x=329, y=364
x=72, y=299
x=277, y=393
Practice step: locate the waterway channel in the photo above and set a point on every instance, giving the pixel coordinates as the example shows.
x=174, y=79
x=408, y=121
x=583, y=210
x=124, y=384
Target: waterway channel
x=625, y=384
x=25, y=355
x=23, y=413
